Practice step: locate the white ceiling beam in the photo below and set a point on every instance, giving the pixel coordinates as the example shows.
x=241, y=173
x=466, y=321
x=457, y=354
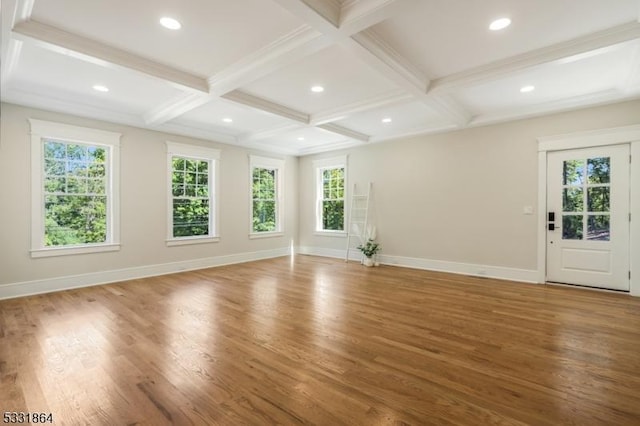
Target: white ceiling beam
x=558, y=52
x=93, y=51
x=334, y=128
x=268, y=106
x=358, y=15
x=173, y=108
x=632, y=82
x=299, y=43
x=322, y=15
x=385, y=99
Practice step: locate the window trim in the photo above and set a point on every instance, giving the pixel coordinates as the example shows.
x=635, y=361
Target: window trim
x=320, y=165
x=41, y=130
x=256, y=161
x=211, y=155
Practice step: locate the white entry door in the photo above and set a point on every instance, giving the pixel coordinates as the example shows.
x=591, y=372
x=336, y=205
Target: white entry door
x=588, y=217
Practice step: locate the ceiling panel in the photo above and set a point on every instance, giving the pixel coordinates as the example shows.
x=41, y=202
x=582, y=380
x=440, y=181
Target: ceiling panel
x=214, y=33
x=583, y=75
x=73, y=79
x=345, y=79
x=244, y=119
x=405, y=117
x=443, y=37
x=302, y=139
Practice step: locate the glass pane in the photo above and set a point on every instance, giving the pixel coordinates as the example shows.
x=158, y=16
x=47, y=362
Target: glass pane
x=178, y=163
x=598, y=228
x=76, y=185
x=54, y=150
x=572, y=200
x=203, y=179
x=55, y=184
x=96, y=186
x=190, y=217
x=202, y=191
x=598, y=199
x=264, y=216
x=572, y=227
x=96, y=170
x=190, y=190
x=96, y=155
x=190, y=178
x=177, y=189
x=77, y=168
x=203, y=167
x=191, y=165
x=598, y=170
x=76, y=152
x=573, y=172
x=333, y=215
x=54, y=167
x=177, y=177
x=75, y=219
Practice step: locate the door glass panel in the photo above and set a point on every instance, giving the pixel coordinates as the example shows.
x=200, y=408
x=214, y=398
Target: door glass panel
x=573, y=172
x=598, y=228
x=572, y=227
x=572, y=200
x=598, y=199
x=598, y=170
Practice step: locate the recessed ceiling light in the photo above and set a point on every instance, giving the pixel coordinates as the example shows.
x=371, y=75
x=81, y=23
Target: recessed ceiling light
x=170, y=23
x=387, y=120
x=300, y=138
x=227, y=120
x=527, y=89
x=317, y=89
x=100, y=88
x=500, y=24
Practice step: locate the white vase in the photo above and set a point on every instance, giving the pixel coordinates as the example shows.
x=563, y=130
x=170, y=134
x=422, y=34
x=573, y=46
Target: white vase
x=367, y=261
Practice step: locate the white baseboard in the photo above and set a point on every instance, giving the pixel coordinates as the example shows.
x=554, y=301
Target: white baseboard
x=28, y=288
x=500, y=272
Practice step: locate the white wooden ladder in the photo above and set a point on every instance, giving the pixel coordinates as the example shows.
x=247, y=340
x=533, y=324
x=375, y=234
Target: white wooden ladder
x=358, y=226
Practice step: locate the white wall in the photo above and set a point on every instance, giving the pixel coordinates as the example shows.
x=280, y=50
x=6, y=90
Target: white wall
x=143, y=211
x=455, y=201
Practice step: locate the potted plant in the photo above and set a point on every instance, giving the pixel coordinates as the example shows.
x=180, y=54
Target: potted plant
x=369, y=249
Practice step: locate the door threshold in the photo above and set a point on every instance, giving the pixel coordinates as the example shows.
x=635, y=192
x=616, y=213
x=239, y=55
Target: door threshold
x=587, y=287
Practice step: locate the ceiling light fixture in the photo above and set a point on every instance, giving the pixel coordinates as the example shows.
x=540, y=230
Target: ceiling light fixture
x=387, y=120
x=527, y=89
x=317, y=89
x=300, y=138
x=227, y=120
x=500, y=24
x=170, y=23
x=100, y=88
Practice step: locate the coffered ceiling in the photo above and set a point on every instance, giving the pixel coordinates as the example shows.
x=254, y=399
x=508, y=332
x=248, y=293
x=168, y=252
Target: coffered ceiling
x=241, y=71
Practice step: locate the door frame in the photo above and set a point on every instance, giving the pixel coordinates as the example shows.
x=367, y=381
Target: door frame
x=589, y=139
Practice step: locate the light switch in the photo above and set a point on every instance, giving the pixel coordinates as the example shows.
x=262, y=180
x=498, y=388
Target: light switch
x=527, y=210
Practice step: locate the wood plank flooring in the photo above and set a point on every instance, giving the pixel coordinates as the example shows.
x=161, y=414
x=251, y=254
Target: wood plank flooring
x=316, y=341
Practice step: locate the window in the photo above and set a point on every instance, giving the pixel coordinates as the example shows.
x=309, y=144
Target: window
x=266, y=195
x=74, y=189
x=330, y=194
x=192, y=205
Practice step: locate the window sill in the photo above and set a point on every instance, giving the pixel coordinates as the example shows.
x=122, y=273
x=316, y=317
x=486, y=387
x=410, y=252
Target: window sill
x=336, y=234
x=187, y=241
x=69, y=251
x=258, y=235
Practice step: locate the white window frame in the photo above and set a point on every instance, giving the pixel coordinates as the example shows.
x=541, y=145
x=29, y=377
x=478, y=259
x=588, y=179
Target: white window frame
x=44, y=130
x=319, y=166
x=197, y=153
x=273, y=164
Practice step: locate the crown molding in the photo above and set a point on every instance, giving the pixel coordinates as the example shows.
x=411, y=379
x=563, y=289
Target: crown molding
x=60, y=41
x=558, y=52
x=385, y=99
x=268, y=106
x=33, y=97
x=424, y=130
x=576, y=102
x=334, y=146
x=18, y=11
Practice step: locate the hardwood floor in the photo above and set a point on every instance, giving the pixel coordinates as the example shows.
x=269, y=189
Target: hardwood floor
x=318, y=341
